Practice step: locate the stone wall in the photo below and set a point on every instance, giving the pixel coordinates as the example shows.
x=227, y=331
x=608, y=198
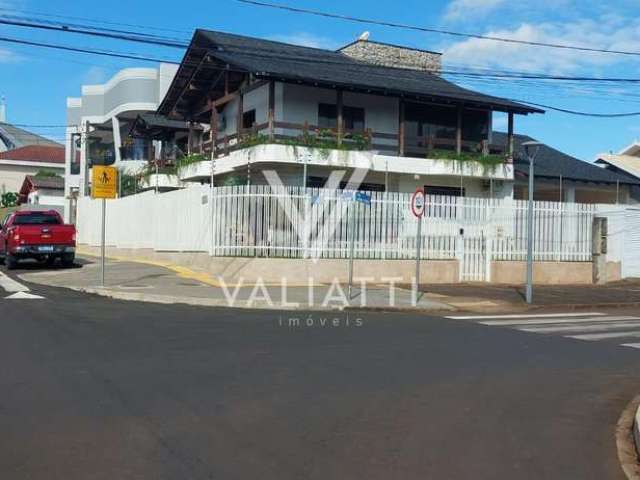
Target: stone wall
x=394, y=56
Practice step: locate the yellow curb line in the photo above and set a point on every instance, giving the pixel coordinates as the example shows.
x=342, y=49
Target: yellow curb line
x=184, y=272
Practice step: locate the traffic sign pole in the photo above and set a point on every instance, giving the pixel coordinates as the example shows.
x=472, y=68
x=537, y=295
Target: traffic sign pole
x=104, y=231
x=418, y=252
x=417, y=208
x=104, y=185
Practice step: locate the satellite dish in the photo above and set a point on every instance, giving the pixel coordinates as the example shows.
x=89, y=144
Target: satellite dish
x=364, y=37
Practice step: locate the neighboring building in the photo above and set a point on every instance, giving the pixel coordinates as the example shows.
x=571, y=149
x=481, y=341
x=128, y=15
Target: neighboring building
x=99, y=122
x=12, y=138
x=561, y=177
x=28, y=160
x=626, y=163
x=44, y=191
x=271, y=105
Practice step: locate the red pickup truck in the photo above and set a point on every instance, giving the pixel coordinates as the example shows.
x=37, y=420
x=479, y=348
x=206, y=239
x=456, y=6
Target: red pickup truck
x=40, y=235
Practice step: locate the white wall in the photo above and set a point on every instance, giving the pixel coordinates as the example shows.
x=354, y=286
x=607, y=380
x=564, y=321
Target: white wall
x=301, y=104
x=12, y=176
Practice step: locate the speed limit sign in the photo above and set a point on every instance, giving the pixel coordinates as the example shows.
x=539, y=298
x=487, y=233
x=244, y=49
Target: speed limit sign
x=417, y=202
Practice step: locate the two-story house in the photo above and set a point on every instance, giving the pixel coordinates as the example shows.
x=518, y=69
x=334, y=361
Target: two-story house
x=304, y=112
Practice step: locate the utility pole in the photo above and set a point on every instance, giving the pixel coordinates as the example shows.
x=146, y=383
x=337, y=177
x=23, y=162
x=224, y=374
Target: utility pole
x=531, y=150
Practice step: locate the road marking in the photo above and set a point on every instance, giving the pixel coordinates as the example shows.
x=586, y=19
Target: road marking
x=631, y=345
x=535, y=321
x=583, y=328
x=525, y=315
x=603, y=336
x=23, y=296
x=10, y=285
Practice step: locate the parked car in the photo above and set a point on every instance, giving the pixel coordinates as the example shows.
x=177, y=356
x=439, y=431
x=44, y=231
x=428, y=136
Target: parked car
x=40, y=235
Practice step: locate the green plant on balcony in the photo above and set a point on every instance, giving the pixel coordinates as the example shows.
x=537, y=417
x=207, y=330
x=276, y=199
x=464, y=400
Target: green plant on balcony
x=321, y=140
x=488, y=162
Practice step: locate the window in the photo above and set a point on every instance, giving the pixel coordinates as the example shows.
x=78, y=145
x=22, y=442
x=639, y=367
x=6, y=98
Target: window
x=444, y=191
x=424, y=120
x=36, y=219
x=475, y=125
x=319, y=182
x=327, y=116
x=352, y=117
x=249, y=118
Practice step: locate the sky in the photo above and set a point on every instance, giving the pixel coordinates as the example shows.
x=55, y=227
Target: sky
x=37, y=81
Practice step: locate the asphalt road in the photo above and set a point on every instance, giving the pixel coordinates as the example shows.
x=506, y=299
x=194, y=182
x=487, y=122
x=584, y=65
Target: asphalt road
x=92, y=388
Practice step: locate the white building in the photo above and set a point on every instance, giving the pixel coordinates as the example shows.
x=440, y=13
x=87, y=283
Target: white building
x=16, y=163
x=100, y=119
x=271, y=105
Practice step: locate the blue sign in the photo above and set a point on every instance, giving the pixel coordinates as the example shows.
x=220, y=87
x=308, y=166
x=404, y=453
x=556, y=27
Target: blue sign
x=363, y=198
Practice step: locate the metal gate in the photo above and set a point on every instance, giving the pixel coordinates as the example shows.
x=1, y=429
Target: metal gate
x=473, y=259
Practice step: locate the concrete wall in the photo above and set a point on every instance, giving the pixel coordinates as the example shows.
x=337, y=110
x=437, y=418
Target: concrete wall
x=272, y=270
x=544, y=273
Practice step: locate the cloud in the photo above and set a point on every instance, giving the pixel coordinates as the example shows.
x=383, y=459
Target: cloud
x=305, y=39
x=461, y=9
x=94, y=75
x=8, y=56
x=608, y=32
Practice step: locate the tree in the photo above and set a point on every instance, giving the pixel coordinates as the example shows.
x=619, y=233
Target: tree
x=9, y=199
x=44, y=173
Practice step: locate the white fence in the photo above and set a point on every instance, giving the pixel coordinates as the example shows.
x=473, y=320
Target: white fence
x=294, y=222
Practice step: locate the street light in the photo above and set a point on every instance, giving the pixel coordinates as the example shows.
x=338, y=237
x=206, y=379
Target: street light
x=530, y=150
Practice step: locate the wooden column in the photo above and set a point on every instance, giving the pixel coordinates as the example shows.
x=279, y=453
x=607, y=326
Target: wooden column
x=510, y=135
x=190, y=139
x=339, y=115
x=459, y=131
x=401, y=130
x=272, y=107
x=239, y=117
x=214, y=131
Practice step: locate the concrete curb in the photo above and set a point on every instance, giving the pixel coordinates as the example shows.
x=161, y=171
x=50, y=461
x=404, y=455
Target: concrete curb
x=628, y=439
x=208, y=302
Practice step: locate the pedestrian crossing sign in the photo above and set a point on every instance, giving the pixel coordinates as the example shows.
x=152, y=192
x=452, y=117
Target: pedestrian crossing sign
x=104, y=181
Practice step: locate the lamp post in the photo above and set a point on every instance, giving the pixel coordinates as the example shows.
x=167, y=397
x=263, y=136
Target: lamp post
x=530, y=150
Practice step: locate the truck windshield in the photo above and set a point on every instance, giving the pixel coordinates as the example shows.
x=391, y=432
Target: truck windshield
x=36, y=219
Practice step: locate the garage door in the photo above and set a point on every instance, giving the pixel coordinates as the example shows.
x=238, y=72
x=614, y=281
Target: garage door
x=631, y=250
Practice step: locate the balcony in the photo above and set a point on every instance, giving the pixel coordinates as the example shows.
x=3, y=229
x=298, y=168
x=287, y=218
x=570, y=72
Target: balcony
x=276, y=154
x=288, y=143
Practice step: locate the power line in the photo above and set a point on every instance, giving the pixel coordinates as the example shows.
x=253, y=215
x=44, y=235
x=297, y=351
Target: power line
x=304, y=59
x=81, y=30
x=93, y=20
x=166, y=42
x=105, y=53
x=433, y=30
x=582, y=114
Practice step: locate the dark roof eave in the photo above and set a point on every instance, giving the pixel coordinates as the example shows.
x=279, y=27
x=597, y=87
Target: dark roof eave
x=516, y=108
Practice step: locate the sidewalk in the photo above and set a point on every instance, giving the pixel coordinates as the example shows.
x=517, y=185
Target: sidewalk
x=151, y=282
x=159, y=283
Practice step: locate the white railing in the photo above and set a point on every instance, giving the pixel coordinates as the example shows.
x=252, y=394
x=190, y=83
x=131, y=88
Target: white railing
x=293, y=222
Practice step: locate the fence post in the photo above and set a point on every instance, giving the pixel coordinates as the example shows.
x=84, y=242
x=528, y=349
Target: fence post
x=488, y=256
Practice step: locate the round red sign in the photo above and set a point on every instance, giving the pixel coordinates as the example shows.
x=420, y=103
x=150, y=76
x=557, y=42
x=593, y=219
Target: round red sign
x=417, y=202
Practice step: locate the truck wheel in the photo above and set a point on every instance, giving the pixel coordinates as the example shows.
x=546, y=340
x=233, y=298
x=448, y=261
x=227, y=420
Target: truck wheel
x=11, y=262
x=68, y=259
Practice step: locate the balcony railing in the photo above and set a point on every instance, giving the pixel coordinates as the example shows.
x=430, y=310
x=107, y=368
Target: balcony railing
x=313, y=136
